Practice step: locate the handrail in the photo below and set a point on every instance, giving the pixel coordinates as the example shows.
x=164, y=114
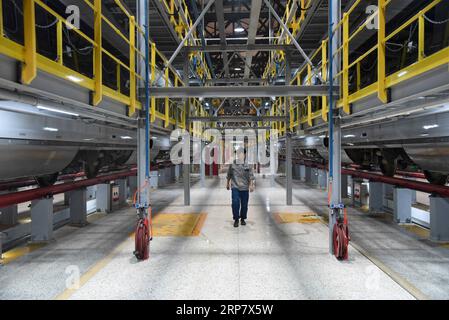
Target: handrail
x=423, y=64
x=34, y=61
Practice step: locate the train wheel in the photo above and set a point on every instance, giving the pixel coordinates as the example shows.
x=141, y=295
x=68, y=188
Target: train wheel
x=341, y=241
x=47, y=180
x=142, y=240
x=436, y=178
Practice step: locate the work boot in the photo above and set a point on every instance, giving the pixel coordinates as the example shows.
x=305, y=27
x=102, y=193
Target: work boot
x=243, y=222
x=236, y=223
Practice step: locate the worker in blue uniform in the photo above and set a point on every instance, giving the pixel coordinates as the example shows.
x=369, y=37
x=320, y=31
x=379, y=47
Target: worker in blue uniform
x=240, y=179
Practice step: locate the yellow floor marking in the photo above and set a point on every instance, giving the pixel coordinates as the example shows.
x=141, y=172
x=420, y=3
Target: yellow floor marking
x=97, y=267
x=18, y=252
x=178, y=225
x=418, y=230
x=21, y=251
x=307, y=217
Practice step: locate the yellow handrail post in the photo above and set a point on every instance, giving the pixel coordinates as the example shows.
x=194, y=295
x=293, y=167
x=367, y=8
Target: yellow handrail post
x=421, y=37
x=132, y=65
x=59, y=42
x=167, y=106
x=309, y=98
x=153, y=78
x=1, y=19
x=98, y=72
x=324, y=76
x=118, y=78
x=381, y=72
x=345, y=86
x=29, y=70
x=359, y=76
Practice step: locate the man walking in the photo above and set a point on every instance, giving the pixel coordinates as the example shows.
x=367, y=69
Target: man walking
x=241, y=180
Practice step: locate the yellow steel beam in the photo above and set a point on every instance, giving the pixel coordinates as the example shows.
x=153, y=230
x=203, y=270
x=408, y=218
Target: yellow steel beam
x=59, y=47
x=309, y=99
x=153, y=78
x=132, y=65
x=29, y=69
x=1, y=19
x=98, y=72
x=421, y=38
x=381, y=52
x=324, y=110
x=167, y=103
x=345, y=85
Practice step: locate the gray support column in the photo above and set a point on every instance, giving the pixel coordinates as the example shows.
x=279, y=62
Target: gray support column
x=314, y=177
x=9, y=215
x=322, y=179
x=302, y=173
x=132, y=183
x=376, y=201
x=202, y=166
x=122, y=190
x=402, y=199
x=439, y=219
x=344, y=186
x=334, y=118
x=288, y=136
x=186, y=166
x=104, y=200
x=78, y=207
x=67, y=198
x=308, y=174
x=42, y=220
x=177, y=172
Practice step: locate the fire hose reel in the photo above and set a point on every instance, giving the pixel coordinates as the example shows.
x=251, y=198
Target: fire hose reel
x=340, y=234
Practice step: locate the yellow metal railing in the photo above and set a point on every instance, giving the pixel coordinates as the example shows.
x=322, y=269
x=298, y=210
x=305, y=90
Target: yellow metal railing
x=34, y=61
x=313, y=108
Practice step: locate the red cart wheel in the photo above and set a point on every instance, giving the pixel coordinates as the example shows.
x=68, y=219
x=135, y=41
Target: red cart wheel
x=142, y=240
x=341, y=241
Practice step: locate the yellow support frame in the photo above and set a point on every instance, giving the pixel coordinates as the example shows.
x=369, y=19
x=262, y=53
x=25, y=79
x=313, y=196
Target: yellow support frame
x=132, y=65
x=98, y=54
x=309, y=98
x=29, y=67
x=153, y=78
x=345, y=84
x=381, y=52
x=324, y=110
x=421, y=37
x=167, y=102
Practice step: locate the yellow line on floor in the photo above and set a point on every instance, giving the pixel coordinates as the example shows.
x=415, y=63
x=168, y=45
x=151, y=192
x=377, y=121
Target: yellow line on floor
x=396, y=277
x=18, y=252
x=97, y=267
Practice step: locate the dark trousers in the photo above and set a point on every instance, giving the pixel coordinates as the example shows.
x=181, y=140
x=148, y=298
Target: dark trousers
x=239, y=204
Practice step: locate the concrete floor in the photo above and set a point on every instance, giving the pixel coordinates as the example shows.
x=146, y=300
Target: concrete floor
x=263, y=260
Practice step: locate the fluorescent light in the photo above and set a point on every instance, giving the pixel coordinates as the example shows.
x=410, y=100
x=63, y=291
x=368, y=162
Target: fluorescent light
x=349, y=136
x=88, y=139
x=239, y=29
x=431, y=126
x=126, y=137
x=302, y=137
x=401, y=74
x=51, y=129
x=207, y=104
x=58, y=111
x=322, y=137
x=238, y=69
x=74, y=79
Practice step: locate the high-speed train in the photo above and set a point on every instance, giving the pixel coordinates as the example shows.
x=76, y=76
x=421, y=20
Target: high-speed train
x=415, y=143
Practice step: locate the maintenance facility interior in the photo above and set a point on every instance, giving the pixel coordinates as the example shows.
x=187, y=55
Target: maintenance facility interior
x=115, y=118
